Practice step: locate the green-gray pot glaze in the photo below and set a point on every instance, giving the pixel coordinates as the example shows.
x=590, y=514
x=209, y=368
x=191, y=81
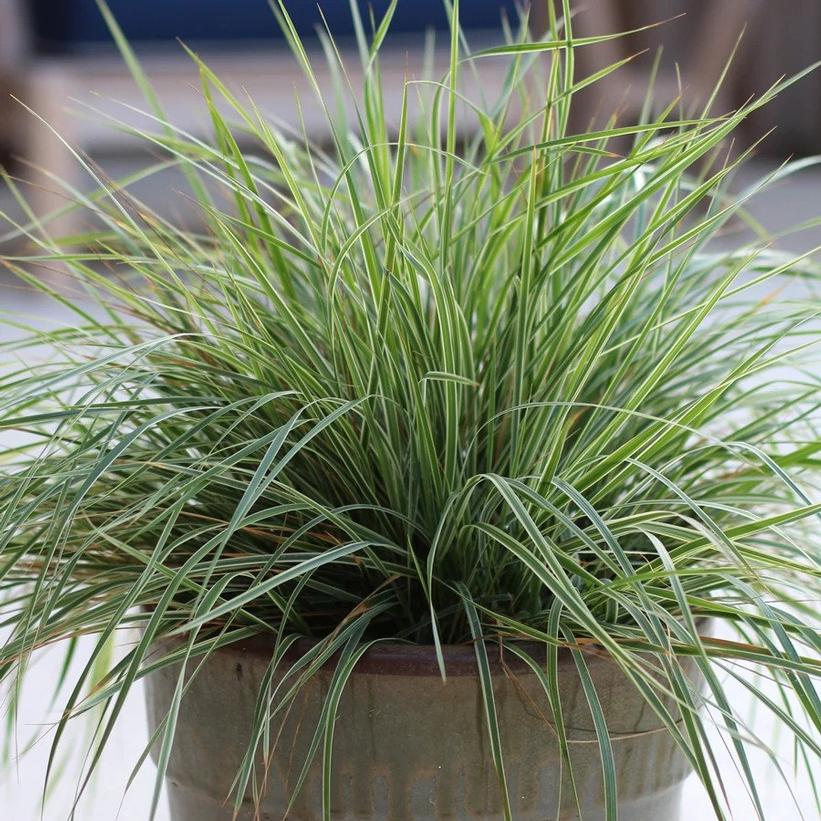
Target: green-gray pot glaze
x=409, y=746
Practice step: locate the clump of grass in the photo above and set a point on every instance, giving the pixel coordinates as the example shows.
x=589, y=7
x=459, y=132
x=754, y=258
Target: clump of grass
x=429, y=383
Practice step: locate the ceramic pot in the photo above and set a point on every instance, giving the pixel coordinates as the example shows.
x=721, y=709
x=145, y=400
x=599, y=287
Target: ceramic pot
x=409, y=746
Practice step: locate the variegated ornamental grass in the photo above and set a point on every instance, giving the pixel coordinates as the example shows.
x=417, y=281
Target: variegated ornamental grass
x=428, y=384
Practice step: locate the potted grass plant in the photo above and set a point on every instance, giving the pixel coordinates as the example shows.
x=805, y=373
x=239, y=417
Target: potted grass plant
x=456, y=468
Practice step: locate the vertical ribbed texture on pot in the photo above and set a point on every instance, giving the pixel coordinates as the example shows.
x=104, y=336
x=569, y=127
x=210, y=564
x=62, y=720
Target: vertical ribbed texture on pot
x=408, y=745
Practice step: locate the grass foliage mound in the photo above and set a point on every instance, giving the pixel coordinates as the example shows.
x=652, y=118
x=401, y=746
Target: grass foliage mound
x=465, y=374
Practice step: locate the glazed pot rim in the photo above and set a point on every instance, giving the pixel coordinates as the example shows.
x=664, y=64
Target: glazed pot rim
x=400, y=658
x=394, y=658
x=388, y=657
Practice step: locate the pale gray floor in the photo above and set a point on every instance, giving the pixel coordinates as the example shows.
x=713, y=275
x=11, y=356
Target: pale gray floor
x=20, y=785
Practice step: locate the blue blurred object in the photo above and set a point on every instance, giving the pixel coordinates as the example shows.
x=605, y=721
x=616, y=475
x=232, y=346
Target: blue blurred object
x=66, y=25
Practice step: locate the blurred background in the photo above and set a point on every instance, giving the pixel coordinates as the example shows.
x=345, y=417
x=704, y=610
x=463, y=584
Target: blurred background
x=60, y=74
x=58, y=59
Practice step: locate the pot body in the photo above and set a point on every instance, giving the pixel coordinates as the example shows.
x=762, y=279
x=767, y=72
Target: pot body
x=408, y=745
